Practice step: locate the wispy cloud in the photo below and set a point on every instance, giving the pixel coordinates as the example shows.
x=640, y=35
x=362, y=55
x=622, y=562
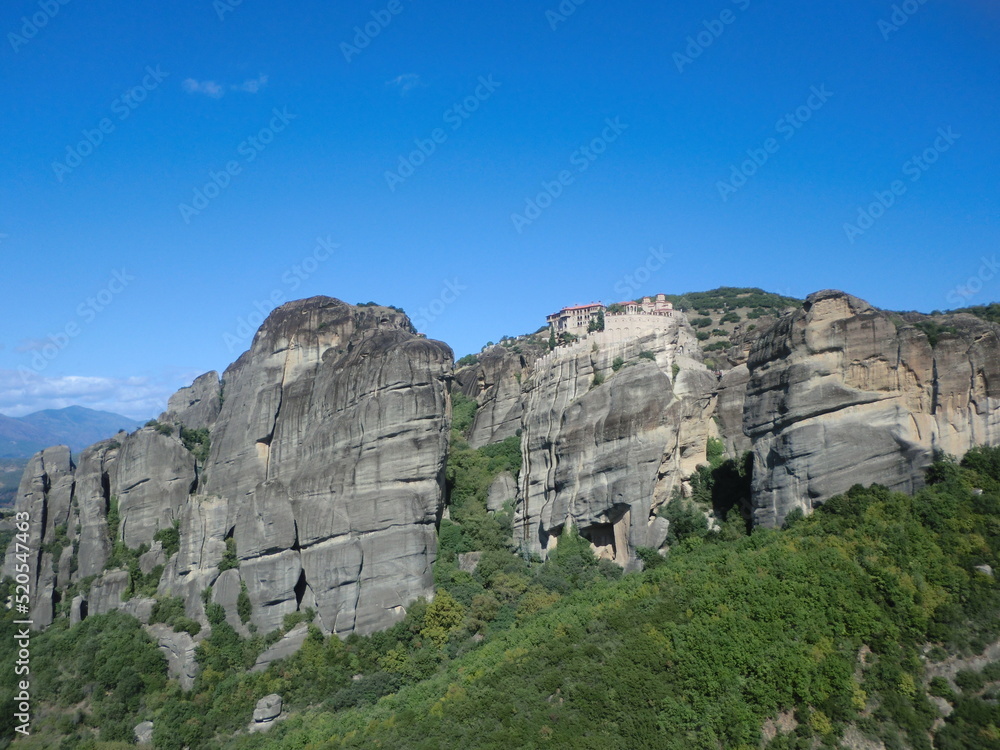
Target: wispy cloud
x=405, y=83
x=208, y=88
x=30, y=345
x=251, y=85
x=217, y=90
x=23, y=392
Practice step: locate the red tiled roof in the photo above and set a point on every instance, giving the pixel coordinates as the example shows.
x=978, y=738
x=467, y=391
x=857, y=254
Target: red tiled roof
x=582, y=307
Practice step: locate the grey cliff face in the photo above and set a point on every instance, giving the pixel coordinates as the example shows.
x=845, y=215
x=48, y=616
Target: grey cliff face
x=197, y=406
x=841, y=393
x=496, y=383
x=330, y=447
x=153, y=476
x=604, y=457
x=325, y=475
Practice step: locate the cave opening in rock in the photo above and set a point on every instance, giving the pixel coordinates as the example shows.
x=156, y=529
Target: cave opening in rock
x=300, y=590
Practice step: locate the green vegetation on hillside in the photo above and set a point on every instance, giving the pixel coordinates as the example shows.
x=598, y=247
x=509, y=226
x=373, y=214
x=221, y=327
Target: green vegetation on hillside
x=726, y=299
x=828, y=620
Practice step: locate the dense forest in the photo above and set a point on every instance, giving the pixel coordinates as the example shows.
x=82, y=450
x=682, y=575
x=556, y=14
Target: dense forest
x=856, y=621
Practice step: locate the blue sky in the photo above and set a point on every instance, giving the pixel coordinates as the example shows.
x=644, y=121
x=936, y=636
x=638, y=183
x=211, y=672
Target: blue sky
x=744, y=135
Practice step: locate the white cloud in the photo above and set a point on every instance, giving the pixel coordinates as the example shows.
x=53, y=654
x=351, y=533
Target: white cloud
x=405, y=83
x=218, y=90
x=208, y=88
x=251, y=85
x=24, y=391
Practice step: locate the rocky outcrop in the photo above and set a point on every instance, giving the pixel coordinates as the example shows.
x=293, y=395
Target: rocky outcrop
x=330, y=447
x=197, y=406
x=179, y=649
x=153, y=476
x=144, y=733
x=289, y=643
x=502, y=490
x=841, y=393
x=495, y=382
x=268, y=709
x=93, y=496
x=607, y=436
x=731, y=395
x=321, y=489
x=44, y=504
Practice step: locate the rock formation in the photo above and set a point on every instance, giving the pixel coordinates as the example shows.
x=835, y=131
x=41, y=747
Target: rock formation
x=841, y=393
x=496, y=383
x=321, y=489
x=607, y=436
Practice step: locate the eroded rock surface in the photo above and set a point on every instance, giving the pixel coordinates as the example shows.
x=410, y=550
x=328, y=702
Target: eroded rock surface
x=604, y=449
x=841, y=393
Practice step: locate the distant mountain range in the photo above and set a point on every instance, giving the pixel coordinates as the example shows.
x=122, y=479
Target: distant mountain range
x=75, y=426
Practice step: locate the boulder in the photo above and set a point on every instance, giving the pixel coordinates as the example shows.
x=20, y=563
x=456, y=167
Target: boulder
x=502, y=490
x=268, y=709
x=144, y=733
x=179, y=649
x=289, y=644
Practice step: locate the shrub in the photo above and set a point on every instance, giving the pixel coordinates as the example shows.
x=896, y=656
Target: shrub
x=970, y=681
x=618, y=364
x=169, y=538
x=647, y=355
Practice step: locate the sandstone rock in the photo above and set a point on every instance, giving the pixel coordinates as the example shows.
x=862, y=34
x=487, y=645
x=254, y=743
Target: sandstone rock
x=149, y=560
x=204, y=525
x=93, y=494
x=141, y=608
x=144, y=733
x=290, y=643
x=268, y=709
x=503, y=489
x=469, y=561
x=197, y=406
x=330, y=448
x=107, y=591
x=152, y=477
x=495, y=382
x=179, y=649
x=77, y=610
x=604, y=457
x=841, y=393
x=45, y=495
x=226, y=592
x=732, y=391
x=986, y=570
